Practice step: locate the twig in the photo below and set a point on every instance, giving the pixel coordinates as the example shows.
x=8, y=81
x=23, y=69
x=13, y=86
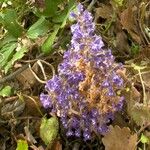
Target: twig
x=42, y=69
x=144, y=93
x=48, y=64
x=91, y=5
x=143, y=128
x=37, y=78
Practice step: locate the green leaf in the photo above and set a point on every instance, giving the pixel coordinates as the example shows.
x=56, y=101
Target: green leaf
x=136, y=67
x=47, y=45
x=60, y=16
x=119, y=2
x=6, y=91
x=18, y=55
x=144, y=139
x=51, y=7
x=39, y=28
x=134, y=49
x=7, y=39
x=22, y=145
x=9, y=20
x=6, y=53
x=49, y=130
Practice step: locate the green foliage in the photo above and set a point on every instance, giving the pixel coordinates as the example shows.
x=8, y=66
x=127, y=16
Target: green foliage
x=47, y=45
x=9, y=19
x=22, y=145
x=144, y=139
x=39, y=28
x=51, y=7
x=7, y=52
x=61, y=18
x=52, y=19
x=6, y=91
x=49, y=130
x=18, y=55
x=134, y=49
x=10, y=53
x=119, y=2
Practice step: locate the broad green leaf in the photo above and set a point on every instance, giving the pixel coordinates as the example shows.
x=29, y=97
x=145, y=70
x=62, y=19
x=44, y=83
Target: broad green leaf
x=47, y=45
x=51, y=7
x=22, y=145
x=9, y=20
x=49, y=130
x=6, y=91
x=144, y=139
x=7, y=39
x=6, y=53
x=18, y=55
x=38, y=28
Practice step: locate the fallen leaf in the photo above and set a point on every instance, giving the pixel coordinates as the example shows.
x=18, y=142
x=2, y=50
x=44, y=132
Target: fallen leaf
x=49, y=130
x=104, y=11
x=57, y=145
x=26, y=78
x=119, y=139
x=22, y=145
x=129, y=23
x=121, y=43
x=140, y=113
x=6, y=91
x=14, y=109
x=33, y=106
x=144, y=139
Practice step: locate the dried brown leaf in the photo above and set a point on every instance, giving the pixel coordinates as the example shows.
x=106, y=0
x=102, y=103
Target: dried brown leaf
x=119, y=139
x=128, y=22
x=57, y=145
x=104, y=11
x=14, y=109
x=122, y=44
x=26, y=78
x=140, y=113
x=33, y=106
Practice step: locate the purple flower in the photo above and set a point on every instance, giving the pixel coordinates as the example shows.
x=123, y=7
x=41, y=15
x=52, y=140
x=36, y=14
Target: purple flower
x=46, y=101
x=83, y=94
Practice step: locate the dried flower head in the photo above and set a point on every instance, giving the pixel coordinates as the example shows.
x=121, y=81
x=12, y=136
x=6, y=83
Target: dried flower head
x=83, y=94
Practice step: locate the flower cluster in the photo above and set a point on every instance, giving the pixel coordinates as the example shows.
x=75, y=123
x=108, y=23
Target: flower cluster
x=84, y=93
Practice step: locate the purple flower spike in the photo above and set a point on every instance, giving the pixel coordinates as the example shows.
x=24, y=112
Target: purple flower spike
x=83, y=94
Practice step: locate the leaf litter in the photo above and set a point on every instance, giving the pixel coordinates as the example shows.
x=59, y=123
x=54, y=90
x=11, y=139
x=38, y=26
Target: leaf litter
x=123, y=25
